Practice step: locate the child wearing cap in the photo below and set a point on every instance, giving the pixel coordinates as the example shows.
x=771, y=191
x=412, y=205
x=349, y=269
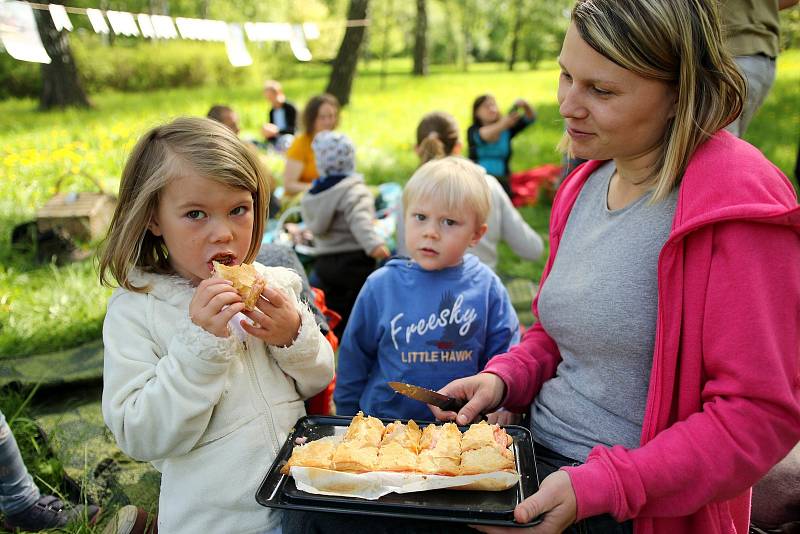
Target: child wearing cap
x=340, y=211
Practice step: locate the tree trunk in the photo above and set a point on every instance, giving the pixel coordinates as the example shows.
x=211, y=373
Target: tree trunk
x=515, y=34
x=421, y=40
x=344, y=66
x=60, y=84
x=385, y=48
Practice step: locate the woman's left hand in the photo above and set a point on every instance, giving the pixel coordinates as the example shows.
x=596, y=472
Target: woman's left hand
x=276, y=319
x=555, y=499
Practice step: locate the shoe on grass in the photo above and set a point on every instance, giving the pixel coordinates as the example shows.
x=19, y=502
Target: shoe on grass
x=131, y=520
x=50, y=512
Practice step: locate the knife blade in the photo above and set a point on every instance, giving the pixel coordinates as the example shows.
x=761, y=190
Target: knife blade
x=443, y=402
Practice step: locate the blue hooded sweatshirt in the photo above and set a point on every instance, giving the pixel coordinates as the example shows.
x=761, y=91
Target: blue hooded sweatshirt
x=421, y=327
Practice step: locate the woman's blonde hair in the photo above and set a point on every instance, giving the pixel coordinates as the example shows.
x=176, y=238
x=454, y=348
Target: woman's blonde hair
x=187, y=145
x=681, y=43
x=437, y=136
x=455, y=182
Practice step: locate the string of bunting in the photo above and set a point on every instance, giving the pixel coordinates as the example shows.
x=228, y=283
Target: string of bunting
x=20, y=35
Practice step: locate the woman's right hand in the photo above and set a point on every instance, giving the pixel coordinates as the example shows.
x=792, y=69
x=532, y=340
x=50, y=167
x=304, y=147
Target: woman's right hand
x=215, y=302
x=483, y=392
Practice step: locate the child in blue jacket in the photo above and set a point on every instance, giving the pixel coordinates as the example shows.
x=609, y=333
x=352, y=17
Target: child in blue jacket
x=440, y=314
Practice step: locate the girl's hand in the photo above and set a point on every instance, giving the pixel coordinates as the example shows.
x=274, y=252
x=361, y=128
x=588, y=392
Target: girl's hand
x=277, y=321
x=214, y=303
x=555, y=499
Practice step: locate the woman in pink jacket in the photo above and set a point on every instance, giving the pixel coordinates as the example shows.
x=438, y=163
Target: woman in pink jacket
x=662, y=377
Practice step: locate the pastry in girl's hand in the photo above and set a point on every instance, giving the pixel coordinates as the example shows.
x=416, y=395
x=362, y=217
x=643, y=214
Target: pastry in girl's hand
x=245, y=279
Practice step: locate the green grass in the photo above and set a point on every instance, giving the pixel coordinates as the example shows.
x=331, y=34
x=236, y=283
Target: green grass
x=45, y=308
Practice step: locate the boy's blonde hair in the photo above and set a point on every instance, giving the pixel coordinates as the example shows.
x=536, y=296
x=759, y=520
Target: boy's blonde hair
x=679, y=42
x=456, y=182
x=187, y=145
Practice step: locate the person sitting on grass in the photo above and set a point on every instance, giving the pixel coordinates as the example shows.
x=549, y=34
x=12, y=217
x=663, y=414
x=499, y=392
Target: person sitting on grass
x=339, y=210
x=21, y=501
x=490, y=134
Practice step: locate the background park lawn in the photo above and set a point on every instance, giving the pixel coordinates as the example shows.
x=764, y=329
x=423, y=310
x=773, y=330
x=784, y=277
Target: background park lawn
x=45, y=307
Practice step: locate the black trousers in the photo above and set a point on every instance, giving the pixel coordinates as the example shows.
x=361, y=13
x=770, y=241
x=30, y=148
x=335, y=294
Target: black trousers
x=341, y=276
x=547, y=462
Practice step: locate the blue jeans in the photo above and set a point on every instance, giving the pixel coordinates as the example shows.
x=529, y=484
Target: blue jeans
x=17, y=490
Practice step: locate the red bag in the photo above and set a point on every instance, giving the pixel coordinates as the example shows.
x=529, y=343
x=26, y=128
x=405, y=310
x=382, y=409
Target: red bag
x=528, y=186
x=322, y=402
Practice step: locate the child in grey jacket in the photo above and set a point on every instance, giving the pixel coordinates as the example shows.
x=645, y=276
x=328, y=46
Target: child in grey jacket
x=340, y=211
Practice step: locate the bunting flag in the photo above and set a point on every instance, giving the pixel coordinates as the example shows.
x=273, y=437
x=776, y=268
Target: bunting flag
x=98, y=21
x=145, y=25
x=201, y=29
x=163, y=27
x=311, y=31
x=268, y=31
x=234, y=45
x=19, y=33
x=122, y=23
x=297, y=42
x=60, y=18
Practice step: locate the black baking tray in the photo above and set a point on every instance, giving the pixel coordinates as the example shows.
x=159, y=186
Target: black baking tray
x=476, y=507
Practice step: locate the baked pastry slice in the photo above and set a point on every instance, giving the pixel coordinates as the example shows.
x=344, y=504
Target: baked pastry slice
x=486, y=460
x=368, y=430
x=318, y=453
x=399, y=447
x=355, y=457
x=246, y=281
x=484, y=435
x=440, y=450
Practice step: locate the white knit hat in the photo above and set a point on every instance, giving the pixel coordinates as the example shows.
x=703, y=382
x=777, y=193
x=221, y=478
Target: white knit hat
x=334, y=153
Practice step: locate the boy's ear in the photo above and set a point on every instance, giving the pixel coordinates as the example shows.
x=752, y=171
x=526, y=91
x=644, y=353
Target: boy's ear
x=479, y=233
x=153, y=226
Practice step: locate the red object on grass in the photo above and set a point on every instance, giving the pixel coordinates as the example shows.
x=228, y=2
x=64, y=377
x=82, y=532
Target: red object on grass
x=322, y=402
x=528, y=186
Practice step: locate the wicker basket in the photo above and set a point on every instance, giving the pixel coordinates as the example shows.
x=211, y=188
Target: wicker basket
x=82, y=216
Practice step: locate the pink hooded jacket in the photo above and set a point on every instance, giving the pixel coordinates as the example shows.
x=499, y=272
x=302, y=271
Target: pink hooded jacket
x=724, y=399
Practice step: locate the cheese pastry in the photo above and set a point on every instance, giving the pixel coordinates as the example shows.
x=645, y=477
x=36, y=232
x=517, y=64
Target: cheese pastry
x=398, y=450
x=486, y=460
x=484, y=435
x=246, y=281
x=318, y=453
x=440, y=450
x=368, y=430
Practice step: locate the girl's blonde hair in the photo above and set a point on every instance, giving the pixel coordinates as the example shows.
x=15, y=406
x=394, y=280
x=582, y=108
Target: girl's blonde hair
x=437, y=135
x=187, y=145
x=457, y=183
x=679, y=42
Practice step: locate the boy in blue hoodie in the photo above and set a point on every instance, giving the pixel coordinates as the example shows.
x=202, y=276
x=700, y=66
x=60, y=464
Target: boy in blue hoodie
x=436, y=316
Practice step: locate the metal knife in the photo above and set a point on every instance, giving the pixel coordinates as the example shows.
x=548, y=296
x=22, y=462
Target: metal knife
x=443, y=402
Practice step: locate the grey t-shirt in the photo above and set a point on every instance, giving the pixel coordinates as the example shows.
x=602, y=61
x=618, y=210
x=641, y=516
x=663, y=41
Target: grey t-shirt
x=599, y=304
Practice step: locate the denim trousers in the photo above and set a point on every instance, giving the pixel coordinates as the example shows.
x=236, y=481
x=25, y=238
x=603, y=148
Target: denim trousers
x=17, y=489
x=327, y=523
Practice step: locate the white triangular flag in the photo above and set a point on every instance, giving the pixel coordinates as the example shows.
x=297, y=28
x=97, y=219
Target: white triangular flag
x=19, y=33
x=298, y=44
x=145, y=25
x=268, y=31
x=311, y=30
x=98, y=22
x=60, y=17
x=122, y=23
x=163, y=27
x=234, y=45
